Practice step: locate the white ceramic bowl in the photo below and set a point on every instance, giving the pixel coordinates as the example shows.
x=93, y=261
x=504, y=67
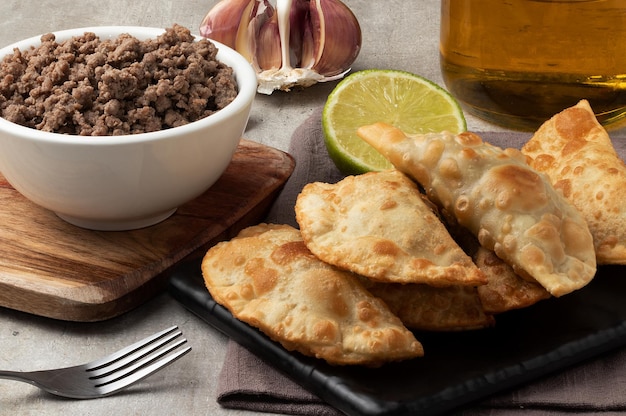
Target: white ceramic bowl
x=131, y=181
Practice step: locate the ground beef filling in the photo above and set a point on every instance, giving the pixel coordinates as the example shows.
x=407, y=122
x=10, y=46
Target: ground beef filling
x=91, y=87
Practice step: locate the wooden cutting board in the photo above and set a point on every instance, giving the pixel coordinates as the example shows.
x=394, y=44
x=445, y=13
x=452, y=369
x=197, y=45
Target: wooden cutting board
x=51, y=268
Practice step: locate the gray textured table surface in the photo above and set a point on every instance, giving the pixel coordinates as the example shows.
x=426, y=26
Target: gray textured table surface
x=396, y=34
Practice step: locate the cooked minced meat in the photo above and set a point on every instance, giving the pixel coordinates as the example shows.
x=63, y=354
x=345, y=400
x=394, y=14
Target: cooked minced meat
x=92, y=87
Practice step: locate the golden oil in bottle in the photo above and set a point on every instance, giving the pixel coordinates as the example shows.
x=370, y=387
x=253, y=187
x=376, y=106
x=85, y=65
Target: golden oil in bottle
x=519, y=62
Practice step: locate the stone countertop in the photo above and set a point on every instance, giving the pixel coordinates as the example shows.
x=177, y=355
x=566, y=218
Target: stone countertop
x=397, y=34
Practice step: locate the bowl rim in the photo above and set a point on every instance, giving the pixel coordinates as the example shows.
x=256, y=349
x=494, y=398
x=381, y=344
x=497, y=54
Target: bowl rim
x=243, y=70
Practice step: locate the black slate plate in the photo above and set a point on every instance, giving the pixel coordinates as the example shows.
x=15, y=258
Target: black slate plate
x=458, y=367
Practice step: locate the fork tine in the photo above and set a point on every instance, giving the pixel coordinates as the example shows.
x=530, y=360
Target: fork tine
x=156, y=365
x=124, y=352
x=136, y=365
x=131, y=354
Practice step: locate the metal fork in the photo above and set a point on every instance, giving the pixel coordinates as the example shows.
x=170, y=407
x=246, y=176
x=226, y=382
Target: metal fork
x=110, y=374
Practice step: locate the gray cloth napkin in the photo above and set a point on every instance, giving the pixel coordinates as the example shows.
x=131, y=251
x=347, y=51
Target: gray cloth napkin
x=246, y=382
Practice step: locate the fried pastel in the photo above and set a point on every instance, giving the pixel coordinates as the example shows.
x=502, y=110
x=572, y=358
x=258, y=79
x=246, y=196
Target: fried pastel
x=378, y=225
x=511, y=208
x=430, y=308
x=268, y=278
x=505, y=290
x=576, y=152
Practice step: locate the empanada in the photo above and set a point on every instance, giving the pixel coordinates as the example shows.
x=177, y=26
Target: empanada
x=576, y=152
x=378, y=225
x=505, y=290
x=429, y=308
x=268, y=278
x=511, y=208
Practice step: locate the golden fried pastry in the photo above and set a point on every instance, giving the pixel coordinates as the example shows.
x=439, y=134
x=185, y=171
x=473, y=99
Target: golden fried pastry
x=429, y=308
x=504, y=290
x=268, y=278
x=510, y=207
x=575, y=151
x=378, y=225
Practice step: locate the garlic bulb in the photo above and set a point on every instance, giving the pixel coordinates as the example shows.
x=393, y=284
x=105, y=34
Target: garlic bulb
x=296, y=43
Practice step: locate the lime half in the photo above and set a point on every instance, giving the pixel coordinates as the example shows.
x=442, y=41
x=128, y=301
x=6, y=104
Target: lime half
x=405, y=100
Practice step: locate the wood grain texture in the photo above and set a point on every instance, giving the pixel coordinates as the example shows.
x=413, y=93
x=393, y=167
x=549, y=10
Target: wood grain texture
x=54, y=269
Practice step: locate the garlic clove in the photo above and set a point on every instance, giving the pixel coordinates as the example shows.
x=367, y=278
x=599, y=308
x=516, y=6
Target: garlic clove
x=242, y=40
x=266, y=43
x=222, y=23
x=332, y=20
x=307, y=55
x=299, y=26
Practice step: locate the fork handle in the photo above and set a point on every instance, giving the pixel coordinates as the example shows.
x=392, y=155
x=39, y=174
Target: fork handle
x=12, y=375
x=24, y=376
